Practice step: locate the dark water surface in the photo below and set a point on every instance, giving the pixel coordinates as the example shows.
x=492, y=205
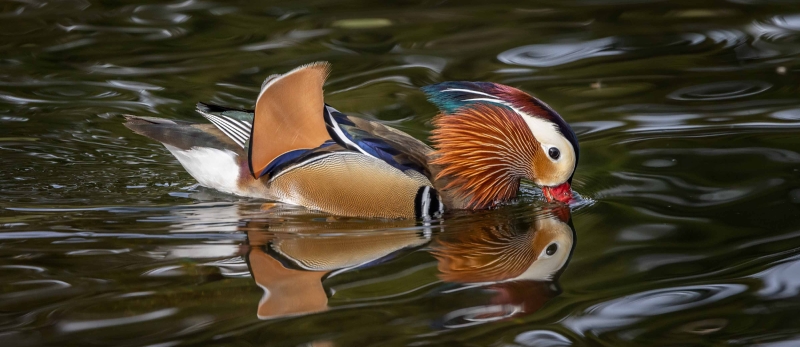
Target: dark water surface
x=688, y=115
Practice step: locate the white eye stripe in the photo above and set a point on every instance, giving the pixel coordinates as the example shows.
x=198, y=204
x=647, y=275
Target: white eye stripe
x=542, y=130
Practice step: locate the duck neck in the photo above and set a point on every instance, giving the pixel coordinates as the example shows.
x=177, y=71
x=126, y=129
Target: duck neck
x=481, y=155
x=457, y=193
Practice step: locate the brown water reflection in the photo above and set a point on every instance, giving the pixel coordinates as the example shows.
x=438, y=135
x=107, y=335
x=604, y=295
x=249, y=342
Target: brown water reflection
x=518, y=264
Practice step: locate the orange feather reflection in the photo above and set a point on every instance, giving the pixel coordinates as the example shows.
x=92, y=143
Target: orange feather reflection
x=516, y=261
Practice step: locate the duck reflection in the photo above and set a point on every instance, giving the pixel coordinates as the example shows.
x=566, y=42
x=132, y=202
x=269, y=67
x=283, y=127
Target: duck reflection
x=290, y=268
x=515, y=261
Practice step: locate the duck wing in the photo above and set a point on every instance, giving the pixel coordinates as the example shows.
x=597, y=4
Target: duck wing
x=377, y=140
x=355, y=134
x=287, y=124
x=287, y=115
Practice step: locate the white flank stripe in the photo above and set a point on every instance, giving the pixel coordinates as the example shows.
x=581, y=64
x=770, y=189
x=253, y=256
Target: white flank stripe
x=426, y=202
x=427, y=233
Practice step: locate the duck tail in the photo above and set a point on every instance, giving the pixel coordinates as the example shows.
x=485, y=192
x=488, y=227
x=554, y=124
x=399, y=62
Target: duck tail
x=180, y=134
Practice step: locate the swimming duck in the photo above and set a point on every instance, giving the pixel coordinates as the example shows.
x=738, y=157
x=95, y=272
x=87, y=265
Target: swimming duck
x=296, y=149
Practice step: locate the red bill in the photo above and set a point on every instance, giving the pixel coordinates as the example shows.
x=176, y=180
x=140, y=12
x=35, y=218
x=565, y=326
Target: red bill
x=561, y=193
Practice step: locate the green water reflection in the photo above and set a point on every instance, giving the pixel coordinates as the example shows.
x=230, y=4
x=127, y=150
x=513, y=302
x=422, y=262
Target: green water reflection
x=687, y=113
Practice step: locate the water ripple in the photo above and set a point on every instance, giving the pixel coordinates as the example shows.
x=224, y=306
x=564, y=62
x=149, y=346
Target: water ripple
x=776, y=28
x=663, y=188
x=148, y=33
x=627, y=310
x=781, y=281
x=542, y=338
x=586, y=128
x=41, y=289
x=289, y=39
x=720, y=91
x=773, y=154
x=554, y=54
x=74, y=326
x=472, y=316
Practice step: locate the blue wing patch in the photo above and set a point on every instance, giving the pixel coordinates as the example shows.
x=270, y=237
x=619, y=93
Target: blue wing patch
x=290, y=158
x=348, y=135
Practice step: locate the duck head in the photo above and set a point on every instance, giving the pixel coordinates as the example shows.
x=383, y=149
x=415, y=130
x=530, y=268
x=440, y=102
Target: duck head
x=489, y=136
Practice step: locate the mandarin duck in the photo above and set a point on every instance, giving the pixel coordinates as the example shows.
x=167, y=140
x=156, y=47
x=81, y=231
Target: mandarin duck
x=296, y=149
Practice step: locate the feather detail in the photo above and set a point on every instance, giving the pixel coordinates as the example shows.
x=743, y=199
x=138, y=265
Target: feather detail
x=180, y=134
x=449, y=97
x=235, y=113
x=378, y=141
x=335, y=122
x=288, y=115
x=484, y=150
x=349, y=183
x=236, y=130
x=297, y=157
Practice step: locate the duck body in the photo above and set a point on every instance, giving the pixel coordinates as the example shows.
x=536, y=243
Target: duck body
x=329, y=178
x=296, y=149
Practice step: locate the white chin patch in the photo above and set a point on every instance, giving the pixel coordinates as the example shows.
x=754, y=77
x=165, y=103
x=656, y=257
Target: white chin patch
x=212, y=168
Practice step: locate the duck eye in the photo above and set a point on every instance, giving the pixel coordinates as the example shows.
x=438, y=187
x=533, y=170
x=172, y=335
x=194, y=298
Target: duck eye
x=552, y=249
x=554, y=153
